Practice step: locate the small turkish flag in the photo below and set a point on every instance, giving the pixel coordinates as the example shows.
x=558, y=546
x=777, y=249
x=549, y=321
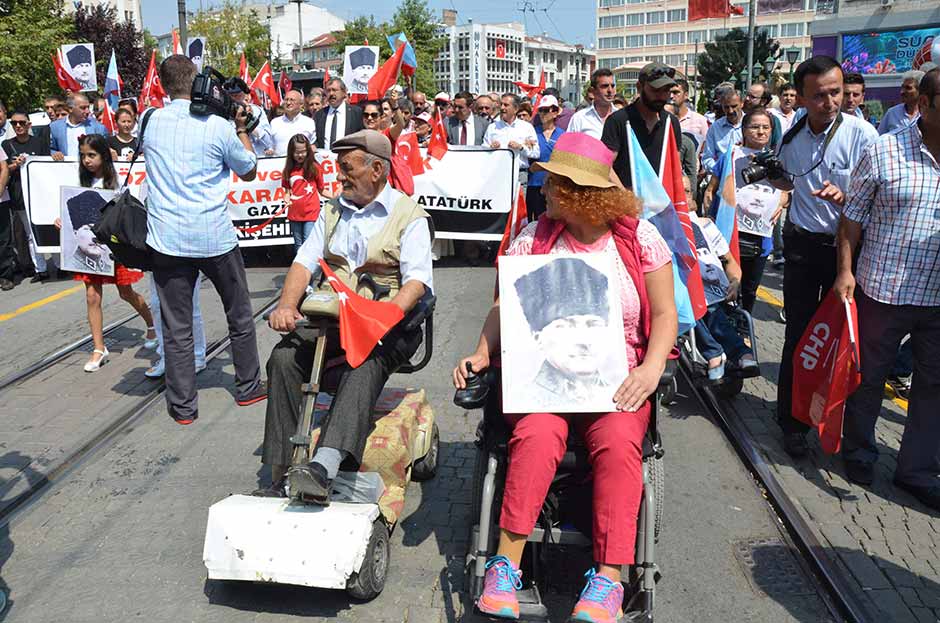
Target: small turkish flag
x=284, y=84
x=151, y=91
x=243, y=69
x=409, y=151
x=264, y=81
x=500, y=49
x=107, y=118
x=437, y=146
x=326, y=76
x=362, y=322
x=63, y=77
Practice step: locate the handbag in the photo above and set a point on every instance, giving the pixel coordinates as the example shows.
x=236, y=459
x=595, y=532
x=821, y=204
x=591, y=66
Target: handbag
x=123, y=224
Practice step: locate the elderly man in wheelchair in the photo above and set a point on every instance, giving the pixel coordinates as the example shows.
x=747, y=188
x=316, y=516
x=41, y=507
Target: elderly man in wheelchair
x=586, y=213
x=378, y=242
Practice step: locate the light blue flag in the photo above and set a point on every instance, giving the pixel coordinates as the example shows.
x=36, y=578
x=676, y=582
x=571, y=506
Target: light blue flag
x=112, y=84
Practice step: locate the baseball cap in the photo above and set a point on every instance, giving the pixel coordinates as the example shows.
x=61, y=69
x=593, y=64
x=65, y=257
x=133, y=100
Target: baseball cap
x=369, y=141
x=657, y=75
x=425, y=117
x=442, y=97
x=548, y=101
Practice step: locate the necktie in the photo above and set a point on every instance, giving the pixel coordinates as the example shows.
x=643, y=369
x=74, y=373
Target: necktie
x=333, y=126
x=463, y=132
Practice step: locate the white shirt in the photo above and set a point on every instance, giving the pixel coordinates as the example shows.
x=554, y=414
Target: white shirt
x=351, y=239
x=519, y=131
x=588, y=121
x=284, y=128
x=5, y=195
x=801, y=153
x=73, y=132
x=470, y=130
x=786, y=121
x=6, y=131
x=340, y=114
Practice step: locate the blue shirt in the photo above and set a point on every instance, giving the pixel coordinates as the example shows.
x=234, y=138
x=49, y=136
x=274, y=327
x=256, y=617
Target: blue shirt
x=896, y=118
x=721, y=137
x=804, y=150
x=190, y=161
x=546, y=146
x=351, y=239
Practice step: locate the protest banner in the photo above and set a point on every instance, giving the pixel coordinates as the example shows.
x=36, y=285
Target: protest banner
x=469, y=195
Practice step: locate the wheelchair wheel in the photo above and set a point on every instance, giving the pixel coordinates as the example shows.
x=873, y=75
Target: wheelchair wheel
x=730, y=388
x=669, y=393
x=657, y=474
x=370, y=580
x=426, y=467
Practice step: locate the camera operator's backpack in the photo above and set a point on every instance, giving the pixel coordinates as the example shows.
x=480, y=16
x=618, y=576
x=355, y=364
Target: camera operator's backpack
x=123, y=224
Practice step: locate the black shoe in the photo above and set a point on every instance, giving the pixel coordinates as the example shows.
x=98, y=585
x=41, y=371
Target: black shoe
x=794, y=444
x=901, y=386
x=6, y=284
x=273, y=490
x=859, y=472
x=40, y=277
x=927, y=495
x=309, y=483
x=260, y=393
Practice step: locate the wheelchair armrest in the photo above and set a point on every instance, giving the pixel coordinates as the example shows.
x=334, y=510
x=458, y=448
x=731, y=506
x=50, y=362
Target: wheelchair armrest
x=422, y=310
x=409, y=368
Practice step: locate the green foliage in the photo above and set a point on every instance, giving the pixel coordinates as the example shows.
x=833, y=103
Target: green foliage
x=724, y=58
x=415, y=19
x=99, y=25
x=31, y=32
x=229, y=31
x=702, y=105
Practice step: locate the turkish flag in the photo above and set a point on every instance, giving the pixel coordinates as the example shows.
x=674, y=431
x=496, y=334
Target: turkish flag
x=500, y=49
x=362, y=322
x=437, y=146
x=304, y=197
x=409, y=151
x=703, y=9
x=107, y=118
x=264, y=82
x=387, y=74
x=243, y=69
x=64, y=78
x=326, y=76
x=827, y=369
x=151, y=91
x=177, y=46
x=533, y=91
x=284, y=84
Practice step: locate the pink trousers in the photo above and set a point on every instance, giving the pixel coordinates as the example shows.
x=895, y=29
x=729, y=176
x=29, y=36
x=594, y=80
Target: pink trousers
x=615, y=446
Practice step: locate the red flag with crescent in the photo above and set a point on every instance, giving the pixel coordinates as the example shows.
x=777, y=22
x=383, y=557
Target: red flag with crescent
x=437, y=146
x=151, y=91
x=64, y=78
x=264, y=82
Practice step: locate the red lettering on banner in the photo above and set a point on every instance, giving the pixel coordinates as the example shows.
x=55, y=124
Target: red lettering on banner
x=328, y=167
x=275, y=176
x=246, y=197
x=231, y=197
x=279, y=193
x=262, y=194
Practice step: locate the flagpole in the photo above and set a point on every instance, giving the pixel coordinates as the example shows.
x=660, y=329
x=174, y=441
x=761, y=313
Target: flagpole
x=751, y=21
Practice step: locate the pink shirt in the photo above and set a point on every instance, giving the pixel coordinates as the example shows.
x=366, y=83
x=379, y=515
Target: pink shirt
x=694, y=122
x=654, y=254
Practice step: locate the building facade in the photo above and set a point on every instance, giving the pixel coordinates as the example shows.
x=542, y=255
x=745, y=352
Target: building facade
x=880, y=39
x=127, y=10
x=636, y=31
x=319, y=53
x=567, y=67
x=481, y=58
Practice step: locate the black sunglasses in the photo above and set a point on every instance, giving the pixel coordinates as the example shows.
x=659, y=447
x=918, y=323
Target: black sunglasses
x=660, y=72
x=548, y=109
x=371, y=115
x=15, y=122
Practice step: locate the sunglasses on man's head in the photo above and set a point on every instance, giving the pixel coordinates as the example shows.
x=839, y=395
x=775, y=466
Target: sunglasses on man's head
x=659, y=73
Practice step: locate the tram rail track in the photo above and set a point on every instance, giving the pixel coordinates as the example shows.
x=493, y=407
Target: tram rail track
x=838, y=594
x=104, y=436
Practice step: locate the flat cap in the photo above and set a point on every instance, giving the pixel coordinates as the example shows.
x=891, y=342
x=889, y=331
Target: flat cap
x=369, y=141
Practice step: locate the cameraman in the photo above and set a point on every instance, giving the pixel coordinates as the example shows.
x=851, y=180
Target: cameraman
x=820, y=151
x=262, y=139
x=189, y=164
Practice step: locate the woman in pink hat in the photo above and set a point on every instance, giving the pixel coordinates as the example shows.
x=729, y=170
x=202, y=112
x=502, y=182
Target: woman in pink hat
x=586, y=213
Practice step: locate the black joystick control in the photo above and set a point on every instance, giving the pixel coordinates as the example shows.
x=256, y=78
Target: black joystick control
x=474, y=395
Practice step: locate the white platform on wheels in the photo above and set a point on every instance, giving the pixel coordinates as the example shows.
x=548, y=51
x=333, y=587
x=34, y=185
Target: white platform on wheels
x=272, y=540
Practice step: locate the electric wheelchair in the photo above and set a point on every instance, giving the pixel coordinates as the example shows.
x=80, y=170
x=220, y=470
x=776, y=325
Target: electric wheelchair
x=560, y=523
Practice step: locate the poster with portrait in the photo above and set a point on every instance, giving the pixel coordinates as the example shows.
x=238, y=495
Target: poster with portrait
x=80, y=63
x=561, y=327
x=195, y=50
x=81, y=211
x=360, y=64
x=756, y=203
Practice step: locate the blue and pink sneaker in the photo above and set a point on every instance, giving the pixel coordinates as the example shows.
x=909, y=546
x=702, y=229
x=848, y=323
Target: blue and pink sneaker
x=601, y=600
x=500, y=584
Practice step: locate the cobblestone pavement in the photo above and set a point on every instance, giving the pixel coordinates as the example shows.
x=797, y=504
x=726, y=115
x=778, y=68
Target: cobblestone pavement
x=45, y=418
x=121, y=539
x=886, y=541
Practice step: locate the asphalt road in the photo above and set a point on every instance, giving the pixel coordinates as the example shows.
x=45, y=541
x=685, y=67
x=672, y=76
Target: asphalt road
x=121, y=539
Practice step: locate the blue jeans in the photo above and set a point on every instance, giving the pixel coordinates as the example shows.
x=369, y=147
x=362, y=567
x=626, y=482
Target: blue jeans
x=715, y=334
x=301, y=231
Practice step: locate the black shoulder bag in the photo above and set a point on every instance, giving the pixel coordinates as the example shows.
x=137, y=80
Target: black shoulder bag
x=123, y=224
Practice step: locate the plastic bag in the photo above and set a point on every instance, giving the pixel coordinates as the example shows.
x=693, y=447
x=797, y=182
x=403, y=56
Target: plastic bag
x=827, y=369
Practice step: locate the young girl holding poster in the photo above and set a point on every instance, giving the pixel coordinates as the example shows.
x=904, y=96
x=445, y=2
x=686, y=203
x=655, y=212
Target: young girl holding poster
x=304, y=183
x=96, y=170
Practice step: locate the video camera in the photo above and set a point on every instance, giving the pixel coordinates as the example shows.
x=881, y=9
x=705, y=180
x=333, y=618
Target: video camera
x=209, y=97
x=765, y=164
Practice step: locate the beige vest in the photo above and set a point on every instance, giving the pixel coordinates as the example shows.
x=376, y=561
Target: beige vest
x=382, y=253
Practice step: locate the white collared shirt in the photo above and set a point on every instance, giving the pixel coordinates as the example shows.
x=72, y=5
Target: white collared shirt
x=470, y=129
x=340, y=124
x=351, y=239
x=519, y=131
x=72, y=133
x=588, y=121
x=284, y=128
x=786, y=121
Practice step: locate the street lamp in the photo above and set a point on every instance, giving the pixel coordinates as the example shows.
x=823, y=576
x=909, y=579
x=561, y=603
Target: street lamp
x=756, y=71
x=579, y=63
x=793, y=53
x=769, y=63
x=743, y=77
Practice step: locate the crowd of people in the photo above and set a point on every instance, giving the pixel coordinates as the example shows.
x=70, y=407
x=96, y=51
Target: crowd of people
x=859, y=217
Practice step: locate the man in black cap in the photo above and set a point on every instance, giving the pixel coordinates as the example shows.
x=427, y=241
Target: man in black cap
x=82, y=66
x=647, y=118
x=565, y=303
x=362, y=67
x=262, y=139
x=371, y=229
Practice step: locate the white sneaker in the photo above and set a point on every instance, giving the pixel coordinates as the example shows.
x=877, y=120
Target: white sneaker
x=94, y=366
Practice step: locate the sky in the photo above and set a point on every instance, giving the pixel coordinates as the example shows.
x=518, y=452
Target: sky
x=569, y=20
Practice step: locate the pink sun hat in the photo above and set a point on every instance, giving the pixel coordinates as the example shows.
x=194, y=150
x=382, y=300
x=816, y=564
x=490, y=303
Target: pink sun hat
x=581, y=158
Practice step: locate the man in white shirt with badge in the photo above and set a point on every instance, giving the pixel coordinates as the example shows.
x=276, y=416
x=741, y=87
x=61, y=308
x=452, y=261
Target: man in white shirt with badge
x=591, y=120
x=508, y=132
x=292, y=122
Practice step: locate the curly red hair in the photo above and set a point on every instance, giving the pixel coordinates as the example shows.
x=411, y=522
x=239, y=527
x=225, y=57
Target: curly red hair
x=593, y=205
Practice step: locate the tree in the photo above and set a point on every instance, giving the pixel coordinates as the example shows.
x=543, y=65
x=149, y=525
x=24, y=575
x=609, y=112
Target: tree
x=360, y=30
x=415, y=19
x=31, y=32
x=724, y=58
x=99, y=25
x=229, y=31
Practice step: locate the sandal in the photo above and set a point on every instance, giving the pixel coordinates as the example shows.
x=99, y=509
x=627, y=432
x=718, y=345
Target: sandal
x=93, y=365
